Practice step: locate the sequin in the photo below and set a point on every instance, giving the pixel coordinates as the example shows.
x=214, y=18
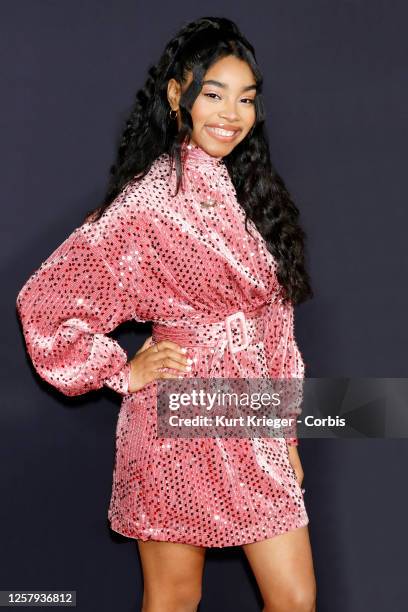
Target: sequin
x=185, y=267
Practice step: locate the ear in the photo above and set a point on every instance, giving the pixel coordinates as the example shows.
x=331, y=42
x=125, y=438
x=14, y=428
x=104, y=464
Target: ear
x=173, y=93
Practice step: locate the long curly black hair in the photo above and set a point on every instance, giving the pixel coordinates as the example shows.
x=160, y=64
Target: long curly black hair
x=150, y=132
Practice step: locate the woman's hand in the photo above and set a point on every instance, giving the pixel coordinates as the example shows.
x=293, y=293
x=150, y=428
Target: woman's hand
x=144, y=366
x=295, y=463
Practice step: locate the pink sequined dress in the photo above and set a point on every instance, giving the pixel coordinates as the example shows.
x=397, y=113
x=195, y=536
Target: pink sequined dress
x=185, y=267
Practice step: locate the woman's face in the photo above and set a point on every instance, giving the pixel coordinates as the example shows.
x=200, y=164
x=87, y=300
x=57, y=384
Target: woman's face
x=224, y=111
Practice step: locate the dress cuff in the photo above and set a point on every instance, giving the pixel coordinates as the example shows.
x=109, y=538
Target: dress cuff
x=119, y=382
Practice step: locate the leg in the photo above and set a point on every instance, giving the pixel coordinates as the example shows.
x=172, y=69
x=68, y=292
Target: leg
x=283, y=568
x=172, y=576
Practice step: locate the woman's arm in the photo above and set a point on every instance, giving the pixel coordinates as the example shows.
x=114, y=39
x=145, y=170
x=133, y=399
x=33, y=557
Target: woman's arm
x=67, y=308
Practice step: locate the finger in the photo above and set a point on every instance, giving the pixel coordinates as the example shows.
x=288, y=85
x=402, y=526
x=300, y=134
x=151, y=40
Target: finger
x=170, y=359
x=168, y=375
x=169, y=344
x=170, y=363
x=157, y=375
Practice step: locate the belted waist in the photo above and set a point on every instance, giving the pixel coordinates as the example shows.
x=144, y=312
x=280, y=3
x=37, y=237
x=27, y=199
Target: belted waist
x=237, y=330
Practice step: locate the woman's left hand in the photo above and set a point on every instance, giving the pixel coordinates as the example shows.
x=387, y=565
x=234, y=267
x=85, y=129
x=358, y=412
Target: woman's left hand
x=296, y=463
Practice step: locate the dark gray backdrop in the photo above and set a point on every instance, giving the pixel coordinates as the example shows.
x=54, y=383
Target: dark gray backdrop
x=337, y=104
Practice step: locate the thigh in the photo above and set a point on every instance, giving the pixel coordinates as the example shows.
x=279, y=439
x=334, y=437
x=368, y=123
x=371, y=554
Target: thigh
x=283, y=567
x=171, y=563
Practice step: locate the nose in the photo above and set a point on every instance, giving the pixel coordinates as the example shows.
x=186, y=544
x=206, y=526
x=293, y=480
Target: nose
x=229, y=112
x=230, y=116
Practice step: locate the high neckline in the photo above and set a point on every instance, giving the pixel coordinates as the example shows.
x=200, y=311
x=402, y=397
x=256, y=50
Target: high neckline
x=192, y=153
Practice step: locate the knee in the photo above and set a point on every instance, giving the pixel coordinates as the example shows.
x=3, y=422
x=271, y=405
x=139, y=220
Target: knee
x=182, y=598
x=296, y=599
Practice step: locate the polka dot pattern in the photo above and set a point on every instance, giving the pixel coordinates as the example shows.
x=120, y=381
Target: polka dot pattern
x=185, y=262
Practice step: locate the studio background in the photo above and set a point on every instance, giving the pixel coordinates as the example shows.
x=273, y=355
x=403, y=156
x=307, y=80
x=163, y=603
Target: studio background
x=336, y=99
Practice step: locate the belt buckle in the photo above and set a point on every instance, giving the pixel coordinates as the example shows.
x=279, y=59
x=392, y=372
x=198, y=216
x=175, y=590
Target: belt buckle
x=239, y=315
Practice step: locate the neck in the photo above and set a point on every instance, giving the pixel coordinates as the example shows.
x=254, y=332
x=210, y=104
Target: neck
x=192, y=153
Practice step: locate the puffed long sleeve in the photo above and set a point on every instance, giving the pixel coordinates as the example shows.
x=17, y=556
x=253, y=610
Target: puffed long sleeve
x=69, y=305
x=286, y=361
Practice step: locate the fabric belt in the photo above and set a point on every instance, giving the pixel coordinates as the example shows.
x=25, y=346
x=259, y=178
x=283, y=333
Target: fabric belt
x=237, y=330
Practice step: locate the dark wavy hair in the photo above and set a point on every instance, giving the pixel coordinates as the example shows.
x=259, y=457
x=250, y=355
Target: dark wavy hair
x=150, y=132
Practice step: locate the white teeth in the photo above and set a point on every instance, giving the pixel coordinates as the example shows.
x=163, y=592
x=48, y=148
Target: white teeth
x=221, y=132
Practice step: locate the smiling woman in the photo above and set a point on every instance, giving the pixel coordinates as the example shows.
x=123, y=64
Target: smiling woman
x=222, y=115
x=216, y=262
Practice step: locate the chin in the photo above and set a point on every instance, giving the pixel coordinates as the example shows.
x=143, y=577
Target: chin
x=211, y=148
x=221, y=149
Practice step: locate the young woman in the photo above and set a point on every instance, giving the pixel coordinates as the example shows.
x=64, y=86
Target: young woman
x=199, y=235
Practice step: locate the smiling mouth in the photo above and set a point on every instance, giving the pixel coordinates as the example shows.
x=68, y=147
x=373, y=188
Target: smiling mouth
x=222, y=133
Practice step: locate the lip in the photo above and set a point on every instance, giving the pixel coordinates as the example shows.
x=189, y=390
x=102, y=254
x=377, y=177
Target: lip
x=223, y=126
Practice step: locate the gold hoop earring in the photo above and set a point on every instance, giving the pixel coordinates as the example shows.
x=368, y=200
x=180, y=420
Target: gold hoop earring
x=173, y=116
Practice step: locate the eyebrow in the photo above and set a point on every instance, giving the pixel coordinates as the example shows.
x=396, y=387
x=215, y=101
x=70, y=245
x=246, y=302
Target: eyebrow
x=225, y=86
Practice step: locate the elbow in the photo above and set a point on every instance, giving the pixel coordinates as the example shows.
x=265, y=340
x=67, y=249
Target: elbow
x=66, y=381
x=69, y=387
x=72, y=391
